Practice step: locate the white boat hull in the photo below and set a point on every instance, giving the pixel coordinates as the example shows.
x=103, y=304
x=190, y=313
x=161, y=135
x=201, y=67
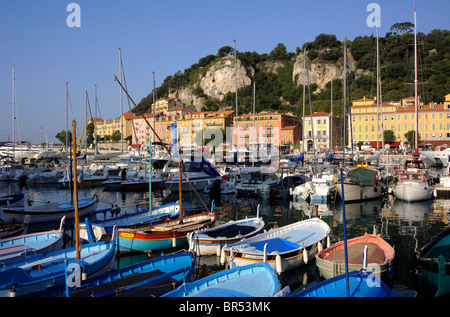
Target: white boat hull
x=413, y=192
x=356, y=192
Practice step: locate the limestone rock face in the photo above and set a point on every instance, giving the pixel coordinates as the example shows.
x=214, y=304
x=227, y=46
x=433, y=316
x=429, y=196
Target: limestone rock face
x=216, y=81
x=320, y=72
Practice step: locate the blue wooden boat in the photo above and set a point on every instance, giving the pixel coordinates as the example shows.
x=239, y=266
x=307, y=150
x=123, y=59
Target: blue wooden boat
x=49, y=212
x=41, y=271
x=29, y=244
x=254, y=280
x=434, y=262
x=211, y=240
x=12, y=199
x=284, y=248
x=362, y=284
x=150, y=278
x=103, y=228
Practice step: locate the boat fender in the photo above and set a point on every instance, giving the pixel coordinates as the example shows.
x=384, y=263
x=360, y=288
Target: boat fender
x=222, y=256
x=328, y=242
x=174, y=242
x=63, y=167
x=278, y=263
x=435, y=193
x=218, y=249
x=83, y=275
x=265, y=253
x=365, y=257
x=319, y=246
x=12, y=292
x=305, y=256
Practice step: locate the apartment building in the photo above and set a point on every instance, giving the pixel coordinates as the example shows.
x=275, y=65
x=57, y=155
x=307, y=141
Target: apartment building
x=267, y=127
x=400, y=117
x=325, y=132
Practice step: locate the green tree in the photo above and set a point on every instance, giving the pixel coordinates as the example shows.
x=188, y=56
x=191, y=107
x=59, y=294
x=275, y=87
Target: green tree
x=403, y=27
x=388, y=136
x=115, y=137
x=62, y=137
x=90, y=134
x=411, y=137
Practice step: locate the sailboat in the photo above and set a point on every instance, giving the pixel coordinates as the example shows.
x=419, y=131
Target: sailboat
x=413, y=179
x=41, y=271
x=170, y=233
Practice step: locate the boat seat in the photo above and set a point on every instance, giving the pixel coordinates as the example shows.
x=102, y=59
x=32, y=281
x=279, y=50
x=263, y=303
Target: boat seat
x=275, y=244
x=355, y=254
x=230, y=231
x=14, y=249
x=115, y=284
x=439, y=250
x=16, y=275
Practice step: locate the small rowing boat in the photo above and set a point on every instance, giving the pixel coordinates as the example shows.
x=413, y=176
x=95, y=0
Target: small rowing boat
x=29, y=244
x=49, y=212
x=255, y=280
x=362, y=284
x=434, y=261
x=211, y=240
x=370, y=252
x=283, y=248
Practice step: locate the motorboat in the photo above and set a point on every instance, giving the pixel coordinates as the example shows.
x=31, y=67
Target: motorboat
x=361, y=183
x=258, y=181
x=200, y=174
x=321, y=189
x=413, y=182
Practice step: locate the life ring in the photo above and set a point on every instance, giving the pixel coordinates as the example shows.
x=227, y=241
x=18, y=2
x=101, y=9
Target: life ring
x=63, y=167
x=49, y=165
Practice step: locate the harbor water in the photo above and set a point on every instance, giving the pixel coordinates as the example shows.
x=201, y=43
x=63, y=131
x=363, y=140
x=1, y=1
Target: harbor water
x=406, y=226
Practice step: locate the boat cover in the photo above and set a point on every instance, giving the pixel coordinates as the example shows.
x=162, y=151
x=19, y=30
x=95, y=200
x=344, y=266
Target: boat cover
x=362, y=175
x=275, y=244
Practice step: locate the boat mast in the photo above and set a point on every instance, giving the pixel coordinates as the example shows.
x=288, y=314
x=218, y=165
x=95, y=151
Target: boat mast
x=121, y=101
x=14, y=111
x=330, y=133
x=236, y=94
x=304, y=101
x=67, y=117
x=254, y=129
x=378, y=87
x=345, y=94
x=311, y=113
x=95, y=123
x=75, y=190
x=416, y=97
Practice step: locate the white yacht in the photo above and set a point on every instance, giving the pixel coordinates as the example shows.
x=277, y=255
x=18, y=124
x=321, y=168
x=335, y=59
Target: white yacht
x=321, y=189
x=199, y=173
x=413, y=182
x=258, y=181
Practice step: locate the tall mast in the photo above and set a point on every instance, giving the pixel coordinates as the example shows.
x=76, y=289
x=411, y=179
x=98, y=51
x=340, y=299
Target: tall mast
x=378, y=87
x=121, y=100
x=330, y=133
x=236, y=93
x=67, y=117
x=345, y=93
x=154, y=107
x=416, y=97
x=95, y=123
x=14, y=110
x=311, y=113
x=304, y=101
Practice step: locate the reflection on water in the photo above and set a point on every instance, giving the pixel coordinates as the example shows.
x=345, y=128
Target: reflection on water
x=406, y=226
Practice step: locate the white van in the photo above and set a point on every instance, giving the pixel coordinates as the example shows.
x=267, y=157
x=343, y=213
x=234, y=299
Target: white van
x=366, y=148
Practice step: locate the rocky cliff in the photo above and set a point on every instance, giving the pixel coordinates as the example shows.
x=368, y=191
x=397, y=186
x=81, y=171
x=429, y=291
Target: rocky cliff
x=218, y=79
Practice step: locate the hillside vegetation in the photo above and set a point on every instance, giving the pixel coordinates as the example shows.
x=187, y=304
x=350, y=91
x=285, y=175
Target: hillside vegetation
x=278, y=89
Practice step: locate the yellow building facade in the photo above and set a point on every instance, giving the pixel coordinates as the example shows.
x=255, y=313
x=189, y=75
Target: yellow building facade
x=368, y=120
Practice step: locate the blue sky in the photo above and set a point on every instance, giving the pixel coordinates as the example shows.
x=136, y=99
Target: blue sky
x=159, y=36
